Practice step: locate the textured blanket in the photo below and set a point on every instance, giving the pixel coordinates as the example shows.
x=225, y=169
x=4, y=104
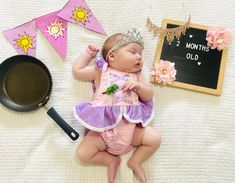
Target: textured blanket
x=197, y=130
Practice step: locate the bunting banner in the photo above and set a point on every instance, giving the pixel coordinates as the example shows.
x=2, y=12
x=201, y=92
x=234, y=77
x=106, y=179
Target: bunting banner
x=54, y=29
x=23, y=38
x=78, y=12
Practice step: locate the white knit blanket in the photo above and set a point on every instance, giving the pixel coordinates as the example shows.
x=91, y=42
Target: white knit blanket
x=198, y=130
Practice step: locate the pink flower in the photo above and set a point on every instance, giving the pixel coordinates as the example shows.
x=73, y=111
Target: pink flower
x=218, y=37
x=164, y=72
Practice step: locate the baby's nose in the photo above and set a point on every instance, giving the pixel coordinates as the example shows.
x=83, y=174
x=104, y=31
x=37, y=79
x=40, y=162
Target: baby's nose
x=138, y=57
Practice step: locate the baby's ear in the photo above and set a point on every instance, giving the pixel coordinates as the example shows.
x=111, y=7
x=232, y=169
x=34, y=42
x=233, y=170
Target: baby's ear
x=111, y=57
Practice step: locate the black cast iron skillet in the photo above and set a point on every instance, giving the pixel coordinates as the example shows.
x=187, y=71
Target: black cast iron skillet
x=25, y=85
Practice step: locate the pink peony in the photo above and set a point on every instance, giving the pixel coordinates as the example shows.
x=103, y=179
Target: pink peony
x=218, y=37
x=164, y=72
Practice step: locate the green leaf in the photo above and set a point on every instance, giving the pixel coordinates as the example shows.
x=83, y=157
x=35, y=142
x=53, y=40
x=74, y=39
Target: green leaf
x=111, y=89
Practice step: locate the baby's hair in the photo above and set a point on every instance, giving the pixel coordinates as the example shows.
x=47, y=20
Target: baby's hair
x=109, y=43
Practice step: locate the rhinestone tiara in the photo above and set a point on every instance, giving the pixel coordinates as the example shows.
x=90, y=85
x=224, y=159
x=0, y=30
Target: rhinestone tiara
x=131, y=37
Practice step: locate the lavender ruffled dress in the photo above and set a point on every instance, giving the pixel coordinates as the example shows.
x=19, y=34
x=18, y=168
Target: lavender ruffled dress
x=105, y=112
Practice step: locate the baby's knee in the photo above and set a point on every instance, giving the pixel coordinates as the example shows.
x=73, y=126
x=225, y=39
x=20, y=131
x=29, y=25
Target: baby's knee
x=157, y=139
x=82, y=155
x=153, y=138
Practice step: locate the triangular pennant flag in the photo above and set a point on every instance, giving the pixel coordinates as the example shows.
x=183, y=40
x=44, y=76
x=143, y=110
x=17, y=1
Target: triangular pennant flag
x=54, y=29
x=23, y=38
x=78, y=12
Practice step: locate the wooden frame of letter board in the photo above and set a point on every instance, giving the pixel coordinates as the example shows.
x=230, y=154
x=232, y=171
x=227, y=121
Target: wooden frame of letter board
x=218, y=89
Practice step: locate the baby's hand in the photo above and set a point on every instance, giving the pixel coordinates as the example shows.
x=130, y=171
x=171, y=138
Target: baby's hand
x=92, y=50
x=131, y=85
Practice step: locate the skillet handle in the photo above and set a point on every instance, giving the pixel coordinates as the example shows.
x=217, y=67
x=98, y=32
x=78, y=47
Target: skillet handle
x=63, y=125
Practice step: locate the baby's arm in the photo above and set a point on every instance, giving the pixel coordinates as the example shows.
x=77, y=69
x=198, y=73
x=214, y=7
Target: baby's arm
x=81, y=70
x=141, y=87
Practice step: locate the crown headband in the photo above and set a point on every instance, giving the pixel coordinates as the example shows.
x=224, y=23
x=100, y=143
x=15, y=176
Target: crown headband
x=131, y=37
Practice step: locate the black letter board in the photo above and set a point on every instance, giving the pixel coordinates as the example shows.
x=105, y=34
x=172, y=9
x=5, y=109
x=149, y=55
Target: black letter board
x=199, y=68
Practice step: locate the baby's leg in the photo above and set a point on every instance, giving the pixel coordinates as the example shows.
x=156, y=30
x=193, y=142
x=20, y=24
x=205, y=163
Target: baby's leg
x=92, y=150
x=147, y=141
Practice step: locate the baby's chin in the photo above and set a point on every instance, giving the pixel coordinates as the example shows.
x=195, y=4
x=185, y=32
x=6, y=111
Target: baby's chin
x=132, y=70
x=129, y=70
x=137, y=70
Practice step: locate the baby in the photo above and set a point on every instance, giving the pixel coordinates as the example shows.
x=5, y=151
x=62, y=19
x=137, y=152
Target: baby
x=121, y=109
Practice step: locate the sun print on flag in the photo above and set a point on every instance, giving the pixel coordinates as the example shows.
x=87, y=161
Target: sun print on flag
x=80, y=15
x=55, y=29
x=24, y=42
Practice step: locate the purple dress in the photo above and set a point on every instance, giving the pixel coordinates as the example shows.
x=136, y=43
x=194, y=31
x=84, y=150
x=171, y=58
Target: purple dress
x=105, y=112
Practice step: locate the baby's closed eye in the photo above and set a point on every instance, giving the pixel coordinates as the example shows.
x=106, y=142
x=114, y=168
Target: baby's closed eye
x=132, y=51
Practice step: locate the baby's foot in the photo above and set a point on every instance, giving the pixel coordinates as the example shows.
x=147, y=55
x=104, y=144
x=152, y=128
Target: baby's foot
x=138, y=171
x=112, y=169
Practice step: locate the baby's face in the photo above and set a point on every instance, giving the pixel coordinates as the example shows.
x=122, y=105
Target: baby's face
x=128, y=58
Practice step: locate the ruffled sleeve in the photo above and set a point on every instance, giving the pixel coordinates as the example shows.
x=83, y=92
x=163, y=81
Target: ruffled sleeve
x=101, y=63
